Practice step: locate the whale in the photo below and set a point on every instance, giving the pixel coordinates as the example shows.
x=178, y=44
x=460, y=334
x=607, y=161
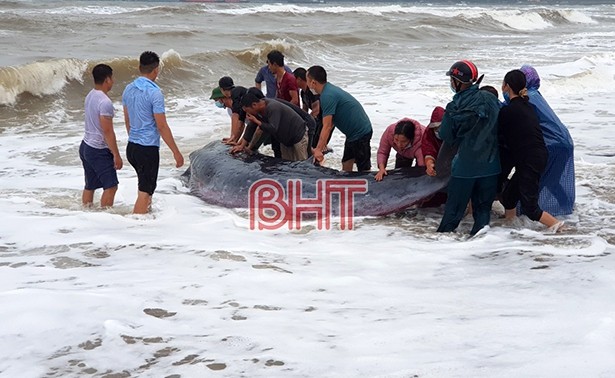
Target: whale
x=228, y=180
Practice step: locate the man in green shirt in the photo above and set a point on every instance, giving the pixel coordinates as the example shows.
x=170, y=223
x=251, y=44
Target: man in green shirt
x=339, y=109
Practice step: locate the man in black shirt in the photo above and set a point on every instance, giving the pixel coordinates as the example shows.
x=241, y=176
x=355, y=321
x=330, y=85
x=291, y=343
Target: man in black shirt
x=232, y=99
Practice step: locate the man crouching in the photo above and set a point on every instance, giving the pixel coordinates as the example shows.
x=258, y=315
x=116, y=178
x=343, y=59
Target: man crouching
x=277, y=119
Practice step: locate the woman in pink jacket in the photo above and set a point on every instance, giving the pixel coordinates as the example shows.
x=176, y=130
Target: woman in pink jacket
x=405, y=138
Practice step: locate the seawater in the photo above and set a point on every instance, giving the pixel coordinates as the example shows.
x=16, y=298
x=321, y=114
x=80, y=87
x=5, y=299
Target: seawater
x=190, y=291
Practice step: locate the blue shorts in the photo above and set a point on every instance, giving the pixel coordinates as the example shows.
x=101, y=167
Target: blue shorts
x=98, y=167
x=145, y=160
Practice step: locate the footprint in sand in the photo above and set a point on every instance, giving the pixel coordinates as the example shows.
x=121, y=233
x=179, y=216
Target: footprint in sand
x=159, y=313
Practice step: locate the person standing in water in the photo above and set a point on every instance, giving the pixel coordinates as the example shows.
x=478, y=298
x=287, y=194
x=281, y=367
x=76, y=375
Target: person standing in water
x=557, y=183
x=286, y=83
x=98, y=150
x=470, y=123
x=146, y=123
x=522, y=147
x=265, y=74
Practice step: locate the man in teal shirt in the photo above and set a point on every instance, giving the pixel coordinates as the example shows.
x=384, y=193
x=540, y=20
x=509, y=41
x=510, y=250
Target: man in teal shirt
x=339, y=109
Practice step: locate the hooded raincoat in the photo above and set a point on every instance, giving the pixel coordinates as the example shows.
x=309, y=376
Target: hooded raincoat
x=557, y=184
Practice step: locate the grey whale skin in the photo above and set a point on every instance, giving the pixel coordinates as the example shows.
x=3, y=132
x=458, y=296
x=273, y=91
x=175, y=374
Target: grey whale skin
x=222, y=179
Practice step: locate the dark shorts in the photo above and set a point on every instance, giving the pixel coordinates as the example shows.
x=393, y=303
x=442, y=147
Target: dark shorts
x=145, y=160
x=98, y=167
x=361, y=151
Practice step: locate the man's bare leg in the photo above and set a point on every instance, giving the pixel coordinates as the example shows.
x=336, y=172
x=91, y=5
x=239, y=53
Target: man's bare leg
x=87, y=198
x=107, y=197
x=510, y=214
x=347, y=165
x=143, y=203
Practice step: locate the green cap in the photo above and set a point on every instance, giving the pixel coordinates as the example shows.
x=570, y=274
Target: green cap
x=216, y=94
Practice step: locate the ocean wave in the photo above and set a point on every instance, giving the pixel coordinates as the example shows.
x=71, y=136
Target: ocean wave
x=297, y=9
x=252, y=57
x=170, y=9
x=592, y=73
x=101, y=10
x=51, y=76
x=39, y=78
x=567, y=16
x=74, y=10
x=173, y=33
x=524, y=20
x=520, y=20
x=527, y=19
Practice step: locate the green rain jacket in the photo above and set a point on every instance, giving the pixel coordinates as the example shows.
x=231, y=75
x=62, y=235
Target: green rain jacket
x=471, y=124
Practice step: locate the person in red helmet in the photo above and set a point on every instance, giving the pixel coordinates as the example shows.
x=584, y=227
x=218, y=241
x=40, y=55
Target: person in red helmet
x=470, y=123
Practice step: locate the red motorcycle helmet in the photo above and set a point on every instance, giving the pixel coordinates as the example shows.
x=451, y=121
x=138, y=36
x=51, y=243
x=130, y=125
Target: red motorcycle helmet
x=464, y=71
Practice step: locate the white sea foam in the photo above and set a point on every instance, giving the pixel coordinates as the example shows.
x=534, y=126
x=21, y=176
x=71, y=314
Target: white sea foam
x=520, y=20
x=594, y=73
x=91, y=9
x=577, y=17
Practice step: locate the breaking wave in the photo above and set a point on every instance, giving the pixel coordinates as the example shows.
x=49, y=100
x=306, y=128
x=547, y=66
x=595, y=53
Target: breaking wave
x=51, y=76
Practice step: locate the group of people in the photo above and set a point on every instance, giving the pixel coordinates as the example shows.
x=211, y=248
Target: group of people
x=516, y=151
x=146, y=123
x=502, y=151
x=296, y=115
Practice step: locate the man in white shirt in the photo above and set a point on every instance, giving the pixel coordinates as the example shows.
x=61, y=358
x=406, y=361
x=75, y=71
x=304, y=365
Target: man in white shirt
x=98, y=151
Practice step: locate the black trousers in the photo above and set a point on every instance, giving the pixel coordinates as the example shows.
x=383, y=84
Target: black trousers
x=524, y=187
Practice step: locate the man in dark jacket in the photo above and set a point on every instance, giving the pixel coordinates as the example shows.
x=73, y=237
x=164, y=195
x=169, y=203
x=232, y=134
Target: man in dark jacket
x=278, y=120
x=470, y=124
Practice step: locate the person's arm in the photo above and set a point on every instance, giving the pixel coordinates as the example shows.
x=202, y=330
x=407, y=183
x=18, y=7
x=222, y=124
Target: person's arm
x=304, y=105
x=237, y=126
x=239, y=147
x=430, y=165
x=382, y=171
x=293, y=89
x=259, y=78
x=106, y=124
x=167, y=136
x=294, y=96
x=384, y=150
x=258, y=133
x=327, y=129
x=126, y=120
